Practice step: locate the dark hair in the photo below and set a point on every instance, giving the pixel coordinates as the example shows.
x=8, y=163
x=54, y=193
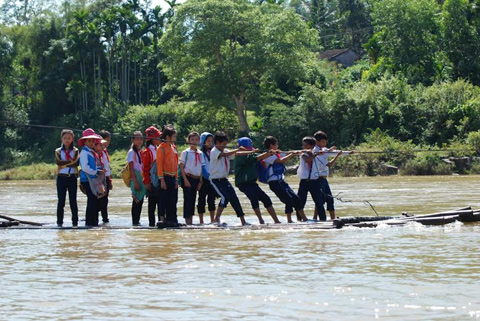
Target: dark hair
x=135, y=135
x=269, y=140
x=220, y=137
x=68, y=132
x=320, y=135
x=309, y=140
x=192, y=134
x=168, y=131
x=105, y=134
x=149, y=142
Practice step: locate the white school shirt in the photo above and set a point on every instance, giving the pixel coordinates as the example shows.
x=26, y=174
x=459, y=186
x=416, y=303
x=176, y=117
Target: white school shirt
x=63, y=157
x=219, y=167
x=269, y=161
x=106, y=163
x=153, y=149
x=132, y=157
x=303, y=170
x=194, y=163
x=320, y=163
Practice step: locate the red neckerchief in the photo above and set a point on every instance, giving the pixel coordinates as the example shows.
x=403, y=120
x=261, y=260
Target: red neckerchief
x=97, y=157
x=67, y=153
x=197, y=156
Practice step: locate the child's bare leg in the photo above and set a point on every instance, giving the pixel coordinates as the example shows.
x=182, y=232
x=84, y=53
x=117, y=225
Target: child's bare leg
x=272, y=213
x=200, y=217
x=259, y=215
x=242, y=219
x=219, y=213
x=315, y=214
x=289, y=218
x=332, y=214
x=212, y=216
x=299, y=218
x=189, y=220
x=302, y=215
x=162, y=219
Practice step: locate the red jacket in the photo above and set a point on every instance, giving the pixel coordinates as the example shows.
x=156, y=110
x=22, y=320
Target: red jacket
x=147, y=163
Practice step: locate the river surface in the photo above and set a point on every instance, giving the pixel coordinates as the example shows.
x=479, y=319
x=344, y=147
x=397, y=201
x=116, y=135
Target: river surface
x=389, y=273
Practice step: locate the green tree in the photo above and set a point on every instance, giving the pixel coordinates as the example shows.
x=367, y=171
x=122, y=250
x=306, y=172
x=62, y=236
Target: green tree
x=219, y=51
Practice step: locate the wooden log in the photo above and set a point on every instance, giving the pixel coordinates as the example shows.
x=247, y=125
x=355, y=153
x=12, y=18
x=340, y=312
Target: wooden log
x=11, y=219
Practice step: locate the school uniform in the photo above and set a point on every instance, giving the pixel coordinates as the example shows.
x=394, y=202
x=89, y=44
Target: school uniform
x=108, y=174
x=310, y=182
x=193, y=162
x=149, y=171
x=207, y=194
x=138, y=196
x=67, y=174
x=276, y=182
x=246, y=180
x=89, y=170
x=167, y=168
x=219, y=169
x=320, y=167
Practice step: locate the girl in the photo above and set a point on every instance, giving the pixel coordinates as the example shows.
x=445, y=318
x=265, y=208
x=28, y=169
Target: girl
x=89, y=171
x=191, y=170
x=134, y=161
x=67, y=159
x=167, y=169
x=207, y=192
x=106, y=136
x=150, y=177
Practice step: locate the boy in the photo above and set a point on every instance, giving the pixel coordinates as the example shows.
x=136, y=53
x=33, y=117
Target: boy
x=167, y=169
x=246, y=179
x=276, y=180
x=219, y=170
x=191, y=163
x=207, y=193
x=106, y=136
x=308, y=173
x=322, y=171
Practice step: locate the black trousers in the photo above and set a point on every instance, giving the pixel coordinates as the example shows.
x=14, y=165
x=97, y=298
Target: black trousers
x=227, y=195
x=314, y=187
x=103, y=202
x=65, y=184
x=207, y=194
x=153, y=203
x=136, y=211
x=190, y=197
x=91, y=213
x=286, y=195
x=169, y=199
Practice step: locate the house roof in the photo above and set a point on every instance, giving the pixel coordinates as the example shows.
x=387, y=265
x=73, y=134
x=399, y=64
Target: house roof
x=329, y=54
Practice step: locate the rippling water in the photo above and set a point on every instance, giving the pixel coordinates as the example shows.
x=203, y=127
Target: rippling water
x=390, y=273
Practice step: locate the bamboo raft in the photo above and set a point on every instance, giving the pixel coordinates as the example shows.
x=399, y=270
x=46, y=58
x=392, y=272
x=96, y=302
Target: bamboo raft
x=464, y=215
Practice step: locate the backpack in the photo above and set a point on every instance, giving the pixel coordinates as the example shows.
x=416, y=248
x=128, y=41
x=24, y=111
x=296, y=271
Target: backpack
x=126, y=174
x=263, y=171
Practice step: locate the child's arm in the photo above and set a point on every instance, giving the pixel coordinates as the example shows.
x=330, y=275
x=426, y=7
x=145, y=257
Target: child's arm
x=146, y=163
x=160, y=158
x=230, y=153
x=285, y=158
x=264, y=156
x=332, y=162
x=182, y=172
x=133, y=176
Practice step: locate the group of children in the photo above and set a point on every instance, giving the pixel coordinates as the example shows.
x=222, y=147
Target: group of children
x=202, y=171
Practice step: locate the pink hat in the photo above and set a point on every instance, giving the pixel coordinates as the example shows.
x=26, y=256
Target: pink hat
x=153, y=133
x=88, y=134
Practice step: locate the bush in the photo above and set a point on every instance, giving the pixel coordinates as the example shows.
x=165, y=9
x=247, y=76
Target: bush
x=426, y=164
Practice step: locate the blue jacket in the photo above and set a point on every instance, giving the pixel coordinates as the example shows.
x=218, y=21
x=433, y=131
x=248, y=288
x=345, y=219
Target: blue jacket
x=206, y=157
x=88, y=165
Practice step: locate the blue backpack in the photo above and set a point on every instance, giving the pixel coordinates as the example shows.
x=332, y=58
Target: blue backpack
x=263, y=171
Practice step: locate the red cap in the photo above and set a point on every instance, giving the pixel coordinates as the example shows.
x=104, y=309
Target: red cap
x=153, y=133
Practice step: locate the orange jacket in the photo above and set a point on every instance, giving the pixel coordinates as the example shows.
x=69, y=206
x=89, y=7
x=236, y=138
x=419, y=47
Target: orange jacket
x=167, y=160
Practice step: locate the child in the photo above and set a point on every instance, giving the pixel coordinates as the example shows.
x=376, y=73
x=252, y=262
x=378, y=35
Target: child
x=106, y=136
x=246, y=179
x=191, y=163
x=322, y=171
x=167, y=169
x=149, y=170
x=308, y=173
x=276, y=180
x=219, y=170
x=134, y=159
x=89, y=171
x=207, y=192
x=67, y=159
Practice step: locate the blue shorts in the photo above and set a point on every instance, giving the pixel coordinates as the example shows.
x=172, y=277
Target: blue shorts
x=255, y=194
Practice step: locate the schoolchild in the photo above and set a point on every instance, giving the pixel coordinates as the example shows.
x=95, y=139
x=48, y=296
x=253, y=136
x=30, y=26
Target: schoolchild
x=150, y=175
x=67, y=159
x=88, y=164
x=167, y=170
x=219, y=170
x=191, y=163
x=246, y=179
x=207, y=193
x=276, y=178
x=106, y=138
x=134, y=159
